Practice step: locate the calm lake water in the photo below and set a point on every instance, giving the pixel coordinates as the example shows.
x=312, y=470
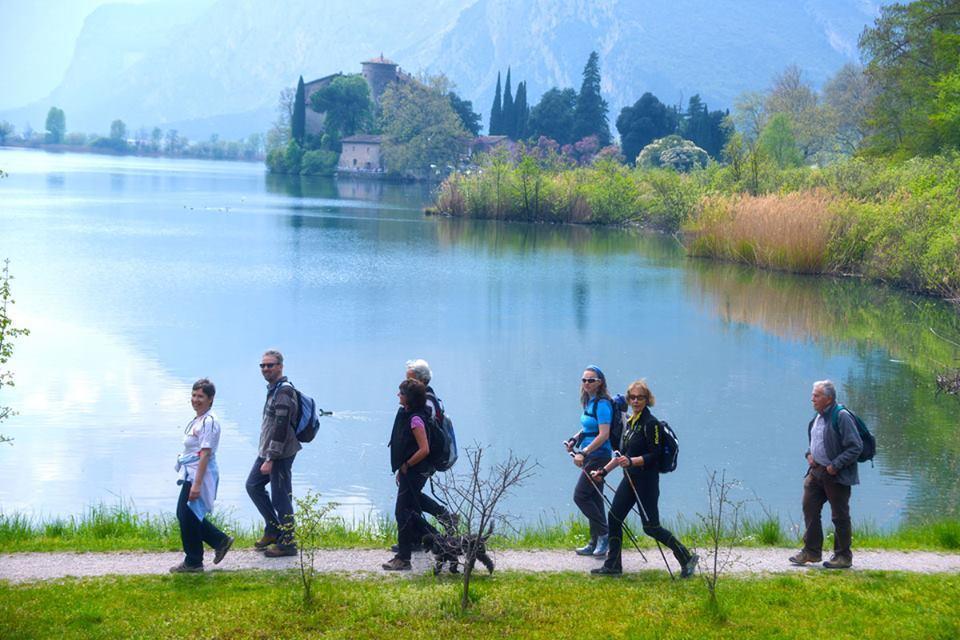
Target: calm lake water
x=137, y=276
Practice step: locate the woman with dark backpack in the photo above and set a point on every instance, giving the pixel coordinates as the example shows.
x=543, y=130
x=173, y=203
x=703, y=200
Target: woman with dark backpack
x=591, y=451
x=409, y=460
x=640, y=448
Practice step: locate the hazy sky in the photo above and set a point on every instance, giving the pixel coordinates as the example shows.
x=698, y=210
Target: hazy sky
x=37, y=38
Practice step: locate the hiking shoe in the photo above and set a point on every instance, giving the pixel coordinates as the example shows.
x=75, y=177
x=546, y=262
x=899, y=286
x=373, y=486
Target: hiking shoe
x=603, y=545
x=607, y=571
x=183, y=567
x=264, y=542
x=838, y=562
x=397, y=564
x=690, y=566
x=414, y=548
x=222, y=549
x=802, y=557
x=588, y=549
x=280, y=550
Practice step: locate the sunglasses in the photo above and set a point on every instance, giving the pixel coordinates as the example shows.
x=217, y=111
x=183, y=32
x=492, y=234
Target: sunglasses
x=589, y=380
x=632, y=397
x=268, y=365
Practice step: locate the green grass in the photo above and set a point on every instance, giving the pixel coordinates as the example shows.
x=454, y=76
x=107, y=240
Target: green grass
x=647, y=605
x=121, y=528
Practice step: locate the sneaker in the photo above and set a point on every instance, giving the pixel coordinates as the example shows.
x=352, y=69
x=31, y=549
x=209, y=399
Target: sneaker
x=588, y=549
x=603, y=545
x=690, y=566
x=280, y=550
x=183, y=567
x=397, y=564
x=264, y=542
x=607, y=571
x=803, y=557
x=838, y=562
x=222, y=549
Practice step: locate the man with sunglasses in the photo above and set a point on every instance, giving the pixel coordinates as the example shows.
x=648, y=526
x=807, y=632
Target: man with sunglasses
x=274, y=463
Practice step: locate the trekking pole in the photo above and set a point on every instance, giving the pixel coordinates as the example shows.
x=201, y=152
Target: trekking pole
x=643, y=515
x=609, y=503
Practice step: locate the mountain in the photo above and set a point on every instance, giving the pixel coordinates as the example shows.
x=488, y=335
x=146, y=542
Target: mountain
x=218, y=66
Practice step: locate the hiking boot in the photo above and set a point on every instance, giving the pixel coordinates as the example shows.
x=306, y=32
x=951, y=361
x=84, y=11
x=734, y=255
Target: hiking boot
x=183, y=567
x=280, y=550
x=588, y=549
x=450, y=522
x=603, y=545
x=222, y=549
x=414, y=548
x=802, y=557
x=607, y=571
x=838, y=562
x=264, y=542
x=688, y=568
x=397, y=564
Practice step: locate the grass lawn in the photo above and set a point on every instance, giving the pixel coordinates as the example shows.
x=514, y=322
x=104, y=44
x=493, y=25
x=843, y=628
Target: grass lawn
x=648, y=605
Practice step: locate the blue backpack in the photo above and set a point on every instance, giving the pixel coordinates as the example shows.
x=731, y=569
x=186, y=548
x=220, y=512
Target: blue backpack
x=308, y=421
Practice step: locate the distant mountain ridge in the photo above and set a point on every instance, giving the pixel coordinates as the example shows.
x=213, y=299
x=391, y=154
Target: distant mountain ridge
x=217, y=66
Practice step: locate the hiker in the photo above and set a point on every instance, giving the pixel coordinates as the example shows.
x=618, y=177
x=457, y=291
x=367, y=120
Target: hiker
x=419, y=369
x=409, y=451
x=640, y=448
x=835, y=445
x=198, y=484
x=592, y=450
x=274, y=463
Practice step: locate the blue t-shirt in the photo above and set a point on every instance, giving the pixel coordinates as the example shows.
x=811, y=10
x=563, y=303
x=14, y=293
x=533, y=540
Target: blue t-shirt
x=591, y=426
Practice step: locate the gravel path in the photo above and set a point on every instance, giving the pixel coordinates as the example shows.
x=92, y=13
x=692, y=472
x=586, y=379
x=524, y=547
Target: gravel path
x=27, y=567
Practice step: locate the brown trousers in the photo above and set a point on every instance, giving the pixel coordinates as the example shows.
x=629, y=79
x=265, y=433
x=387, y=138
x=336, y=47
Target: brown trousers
x=820, y=487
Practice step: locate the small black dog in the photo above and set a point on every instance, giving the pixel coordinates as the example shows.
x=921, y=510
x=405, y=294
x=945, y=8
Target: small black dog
x=450, y=548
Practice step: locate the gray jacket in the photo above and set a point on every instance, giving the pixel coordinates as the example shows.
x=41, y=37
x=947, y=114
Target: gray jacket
x=277, y=436
x=843, y=449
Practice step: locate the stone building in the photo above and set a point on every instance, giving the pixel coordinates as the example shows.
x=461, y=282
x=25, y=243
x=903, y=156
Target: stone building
x=360, y=154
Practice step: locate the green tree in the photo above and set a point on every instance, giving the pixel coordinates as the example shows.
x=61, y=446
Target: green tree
x=946, y=112
x=118, y=131
x=590, y=115
x=347, y=107
x=422, y=134
x=298, y=120
x=156, y=138
x=707, y=129
x=778, y=142
x=464, y=109
x=6, y=129
x=521, y=112
x=647, y=120
x=792, y=96
x=279, y=134
x=495, y=127
x=56, y=125
x=509, y=118
x=8, y=333
x=553, y=116
x=847, y=96
x=909, y=52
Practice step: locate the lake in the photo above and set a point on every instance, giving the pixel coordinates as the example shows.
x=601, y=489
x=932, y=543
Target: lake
x=137, y=276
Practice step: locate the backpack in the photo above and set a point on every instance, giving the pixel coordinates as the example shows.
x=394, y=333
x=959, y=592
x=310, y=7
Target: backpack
x=669, y=447
x=308, y=422
x=869, y=440
x=442, y=439
x=618, y=405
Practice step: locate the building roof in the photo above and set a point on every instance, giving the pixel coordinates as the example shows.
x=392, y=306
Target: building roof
x=362, y=138
x=380, y=60
x=324, y=78
x=490, y=139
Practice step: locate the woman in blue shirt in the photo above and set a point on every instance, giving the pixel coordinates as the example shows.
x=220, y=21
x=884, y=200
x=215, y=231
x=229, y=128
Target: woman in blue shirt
x=592, y=451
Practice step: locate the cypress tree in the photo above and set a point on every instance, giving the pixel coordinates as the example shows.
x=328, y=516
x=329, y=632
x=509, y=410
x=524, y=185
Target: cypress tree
x=509, y=116
x=590, y=116
x=298, y=122
x=496, y=112
x=521, y=111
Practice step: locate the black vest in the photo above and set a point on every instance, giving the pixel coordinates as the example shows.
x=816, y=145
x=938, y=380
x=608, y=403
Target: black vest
x=402, y=443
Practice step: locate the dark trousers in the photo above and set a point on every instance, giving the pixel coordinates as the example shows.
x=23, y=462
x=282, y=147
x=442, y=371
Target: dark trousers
x=648, y=489
x=586, y=495
x=276, y=508
x=820, y=487
x=194, y=531
x=411, y=526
